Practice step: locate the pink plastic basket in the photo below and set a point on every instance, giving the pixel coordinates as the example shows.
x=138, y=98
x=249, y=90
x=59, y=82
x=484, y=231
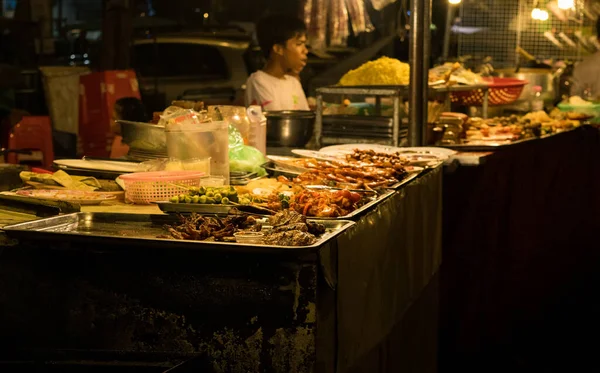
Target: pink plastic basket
x=148, y=187
x=502, y=91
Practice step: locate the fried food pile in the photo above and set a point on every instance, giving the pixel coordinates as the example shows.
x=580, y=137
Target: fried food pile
x=207, y=228
x=363, y=169
x=514, y=128
x=325, y=203
x=292, y=229
x=289, y=228
x=394, y=160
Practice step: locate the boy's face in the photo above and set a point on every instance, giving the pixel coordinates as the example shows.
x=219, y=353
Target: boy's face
x=294, y=54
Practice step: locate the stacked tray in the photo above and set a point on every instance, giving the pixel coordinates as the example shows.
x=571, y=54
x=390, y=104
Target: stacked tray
x=220, y=209
x=116, y=232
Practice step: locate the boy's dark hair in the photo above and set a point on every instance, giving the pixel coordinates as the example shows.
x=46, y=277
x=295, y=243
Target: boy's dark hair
x=277, y=29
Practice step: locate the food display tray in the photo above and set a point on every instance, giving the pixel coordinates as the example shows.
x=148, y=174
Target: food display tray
x=495, y=146
x=405, y=181
x=395, y=90
x=354, y=215
x=206, y=209
x=107, y=232
x=275, y=170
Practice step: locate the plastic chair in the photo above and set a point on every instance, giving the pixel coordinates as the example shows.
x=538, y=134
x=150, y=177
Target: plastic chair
x=33, y=133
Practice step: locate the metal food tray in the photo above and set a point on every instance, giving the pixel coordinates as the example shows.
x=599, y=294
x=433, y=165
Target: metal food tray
x=394, y=90
x=113, y=232
x=405, y=181
x=362, y=209
x=276, y=170
x=206, y=209
x=495, y=146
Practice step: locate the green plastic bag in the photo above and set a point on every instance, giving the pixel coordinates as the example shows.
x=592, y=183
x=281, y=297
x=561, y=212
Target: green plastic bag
x=244, y=158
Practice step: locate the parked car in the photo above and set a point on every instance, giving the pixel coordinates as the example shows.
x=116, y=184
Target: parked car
x=199, y=66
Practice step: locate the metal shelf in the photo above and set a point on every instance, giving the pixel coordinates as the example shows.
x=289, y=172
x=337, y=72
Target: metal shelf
x=396, y=93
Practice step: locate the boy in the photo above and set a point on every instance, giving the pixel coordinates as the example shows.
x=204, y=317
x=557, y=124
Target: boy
x=276, y=87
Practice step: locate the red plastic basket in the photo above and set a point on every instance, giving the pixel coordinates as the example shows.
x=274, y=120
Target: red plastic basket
x=502, y=91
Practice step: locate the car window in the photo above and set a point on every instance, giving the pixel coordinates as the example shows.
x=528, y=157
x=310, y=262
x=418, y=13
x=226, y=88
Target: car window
x=254, y=59
x=180, y=60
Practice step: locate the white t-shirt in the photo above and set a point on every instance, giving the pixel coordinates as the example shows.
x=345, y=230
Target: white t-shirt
x=274, y=94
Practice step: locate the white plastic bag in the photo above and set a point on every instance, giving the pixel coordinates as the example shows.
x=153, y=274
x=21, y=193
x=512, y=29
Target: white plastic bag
x=380, y=4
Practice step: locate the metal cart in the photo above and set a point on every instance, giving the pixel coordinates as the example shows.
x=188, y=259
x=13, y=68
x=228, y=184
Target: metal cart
x=397, y=93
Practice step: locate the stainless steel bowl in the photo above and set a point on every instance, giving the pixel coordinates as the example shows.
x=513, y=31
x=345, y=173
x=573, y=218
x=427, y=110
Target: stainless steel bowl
x=289, y=128
x=146, y=137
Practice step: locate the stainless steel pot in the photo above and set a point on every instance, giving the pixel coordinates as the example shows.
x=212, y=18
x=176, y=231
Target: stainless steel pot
x=290, y=128
x=146, y=137
x=542, y=77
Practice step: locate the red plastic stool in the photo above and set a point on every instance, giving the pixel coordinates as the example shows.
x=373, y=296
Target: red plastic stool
x=33, y=133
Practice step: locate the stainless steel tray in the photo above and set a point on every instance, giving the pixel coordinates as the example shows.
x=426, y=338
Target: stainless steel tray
x=114, y=232
x=186, y=208
x=354, y=215
x=394, y=90
x=494, y=146
x=208, y=209
x=275, y=170
x=406, y=180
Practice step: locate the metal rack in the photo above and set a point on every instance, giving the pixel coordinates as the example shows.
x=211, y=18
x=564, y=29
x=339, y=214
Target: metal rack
x=396, y=93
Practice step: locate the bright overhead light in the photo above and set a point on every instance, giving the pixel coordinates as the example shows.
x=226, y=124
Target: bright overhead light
x=535, y=13
x=454, y=2
x=566, y=4
x=543, y=16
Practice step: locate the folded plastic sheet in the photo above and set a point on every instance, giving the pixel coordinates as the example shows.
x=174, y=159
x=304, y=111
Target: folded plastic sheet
x=338, y=23
x=380, y=4
x=315, y=15
x=384, y=263
x=360, y=20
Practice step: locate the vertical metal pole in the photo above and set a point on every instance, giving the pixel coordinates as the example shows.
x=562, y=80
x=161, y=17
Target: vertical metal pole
x=396, y=121
x=318, y=130
x=484, y=107
x=426, y=58
x=417, y=94
x=448, y=31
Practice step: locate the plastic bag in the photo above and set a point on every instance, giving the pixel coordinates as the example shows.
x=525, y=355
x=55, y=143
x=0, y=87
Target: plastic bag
x=316, y=11
x=235, y=137
x=244, y=158
x=358, y=16
x=380, y=4
x=174, y=164
x=176, y=119
x=338, y=23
